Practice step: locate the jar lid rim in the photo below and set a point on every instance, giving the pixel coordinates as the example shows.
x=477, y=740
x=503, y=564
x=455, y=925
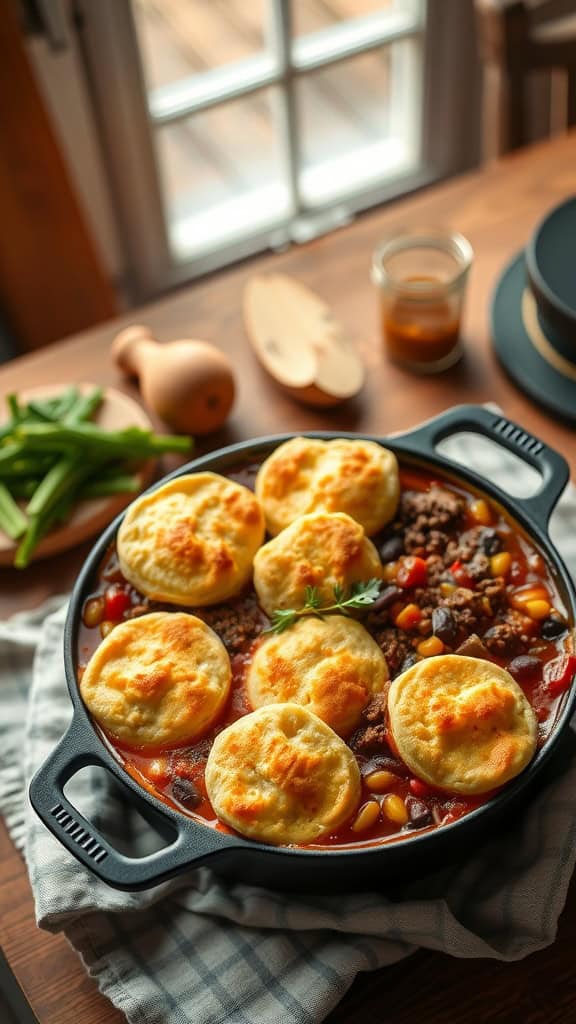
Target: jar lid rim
x=451, y=242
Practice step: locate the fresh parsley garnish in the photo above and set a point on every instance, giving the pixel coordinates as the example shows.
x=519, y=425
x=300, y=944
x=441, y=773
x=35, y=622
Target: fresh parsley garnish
x=359, y=595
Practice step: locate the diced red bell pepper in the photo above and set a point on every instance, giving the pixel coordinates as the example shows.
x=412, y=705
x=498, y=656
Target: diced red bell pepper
x=460, y=574
x=412, y=572
x=558, y=674
x=419, y=788
x=116, y=603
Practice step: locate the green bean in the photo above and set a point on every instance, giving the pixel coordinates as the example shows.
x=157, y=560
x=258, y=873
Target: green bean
x=43, y=411
x=38, y=527
x=103, y=487
x=51, y=455
x=20, y=466
x=14, y=408
x=64, y=403
x=64, y=477
x=130, y=443
x=12, y=519
x=83, y=407
x=23, y=488
x=9, y=452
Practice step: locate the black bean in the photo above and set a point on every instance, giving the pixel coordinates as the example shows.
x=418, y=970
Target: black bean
x=420, y=814
x=409, y=660
x=444, y=625
x=386, y=598
x=391, y=549
x=490, y=542
x=552, y=628
x=524, y=667
x=384, y=764
x=185, y=792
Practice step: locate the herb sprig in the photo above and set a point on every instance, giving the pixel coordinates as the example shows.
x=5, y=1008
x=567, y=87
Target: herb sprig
x=359, y=595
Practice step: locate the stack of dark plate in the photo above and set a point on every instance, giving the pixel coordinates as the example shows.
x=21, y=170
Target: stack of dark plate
x=534, y=314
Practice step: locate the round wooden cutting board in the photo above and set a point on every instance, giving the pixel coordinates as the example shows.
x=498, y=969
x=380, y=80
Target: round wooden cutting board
x=116, y=412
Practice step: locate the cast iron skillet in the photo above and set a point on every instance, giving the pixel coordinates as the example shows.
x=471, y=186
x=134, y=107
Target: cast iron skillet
x=191, y=844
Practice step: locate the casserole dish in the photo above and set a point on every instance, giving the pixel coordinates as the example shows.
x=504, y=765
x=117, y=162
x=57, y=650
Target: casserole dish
x=191, y=843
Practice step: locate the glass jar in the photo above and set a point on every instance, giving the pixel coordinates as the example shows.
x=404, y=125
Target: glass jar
x=421, y=277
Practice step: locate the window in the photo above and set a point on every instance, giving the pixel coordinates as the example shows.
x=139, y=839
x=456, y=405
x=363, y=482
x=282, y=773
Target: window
x=236, y=125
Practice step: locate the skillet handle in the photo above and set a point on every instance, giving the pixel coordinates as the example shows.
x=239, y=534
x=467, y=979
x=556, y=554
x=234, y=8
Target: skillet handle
x=190, y=843
x=552, y=466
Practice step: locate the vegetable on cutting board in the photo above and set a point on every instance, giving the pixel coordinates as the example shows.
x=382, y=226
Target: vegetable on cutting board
x=51, y=456
x=189, y=384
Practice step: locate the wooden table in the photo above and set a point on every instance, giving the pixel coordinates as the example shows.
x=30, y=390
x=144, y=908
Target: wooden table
x=497, y=209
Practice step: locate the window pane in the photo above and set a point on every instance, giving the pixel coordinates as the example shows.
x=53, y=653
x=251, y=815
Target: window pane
x=179, y=38
x=222, y=174
x=359, y=122
x=315, y=15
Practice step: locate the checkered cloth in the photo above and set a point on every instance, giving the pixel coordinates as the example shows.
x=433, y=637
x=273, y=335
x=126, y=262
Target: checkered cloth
x=200, y=950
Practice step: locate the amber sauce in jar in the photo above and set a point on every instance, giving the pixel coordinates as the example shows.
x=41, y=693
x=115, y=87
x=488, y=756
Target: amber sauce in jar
x=420, y=330
x=421, y=280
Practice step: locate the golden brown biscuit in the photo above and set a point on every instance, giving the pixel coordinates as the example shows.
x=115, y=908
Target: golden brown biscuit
x=305, y=475
x=332, y=666
x=157, y=680
x=192, y=541
x=320, y=551
x=281, y=775
x=461, y=724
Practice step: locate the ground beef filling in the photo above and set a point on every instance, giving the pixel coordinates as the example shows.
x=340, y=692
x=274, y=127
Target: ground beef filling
x=236, y=623
x=427, y=517
x=472, y=618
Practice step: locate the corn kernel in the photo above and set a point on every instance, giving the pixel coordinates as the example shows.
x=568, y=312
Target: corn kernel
x=480, y=512
x=380, y=781
x=447, y=588
x=409, y=617
x=431, y=646
x=521, y=598
x=367, y=816
x=395, y=809
x=500, y=563
x=389, y=571
x=538, y=609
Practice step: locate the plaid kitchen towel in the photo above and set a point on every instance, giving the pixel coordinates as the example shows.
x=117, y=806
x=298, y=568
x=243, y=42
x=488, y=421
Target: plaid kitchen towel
x=200, y=950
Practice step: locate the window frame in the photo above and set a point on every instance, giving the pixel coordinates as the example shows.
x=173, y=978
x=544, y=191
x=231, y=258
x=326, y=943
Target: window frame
x=127, y=114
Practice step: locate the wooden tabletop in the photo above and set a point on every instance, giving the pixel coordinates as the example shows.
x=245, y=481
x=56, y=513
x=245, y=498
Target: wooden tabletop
x=496, y=209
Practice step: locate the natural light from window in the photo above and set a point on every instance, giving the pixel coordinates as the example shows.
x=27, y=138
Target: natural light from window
x=267, y=115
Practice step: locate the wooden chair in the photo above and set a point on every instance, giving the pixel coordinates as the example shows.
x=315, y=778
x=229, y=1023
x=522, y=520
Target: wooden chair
x=519, y=38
